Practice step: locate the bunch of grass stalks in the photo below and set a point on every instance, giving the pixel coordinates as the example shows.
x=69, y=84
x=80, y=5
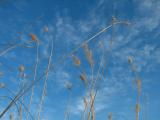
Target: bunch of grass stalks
x=138, y=87
x=45, y=82
x=89, y=100
x=89, y=112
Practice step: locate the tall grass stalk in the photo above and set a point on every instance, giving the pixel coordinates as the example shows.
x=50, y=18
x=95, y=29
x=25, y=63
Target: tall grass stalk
x=138, y=87
x=45, y=83
x=35, y=75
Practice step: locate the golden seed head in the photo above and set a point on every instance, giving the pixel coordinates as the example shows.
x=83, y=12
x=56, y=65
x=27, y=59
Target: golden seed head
x=88, y=54
x=21, y=68
x=84, y=78
x=137, y=108
x=76, y=60
x=33, y=36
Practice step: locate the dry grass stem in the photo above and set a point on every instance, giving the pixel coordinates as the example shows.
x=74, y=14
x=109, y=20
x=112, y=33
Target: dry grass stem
x=45, y=82
x=139, y=86
x=137, y=111
x=110, y=116
x=35, y=75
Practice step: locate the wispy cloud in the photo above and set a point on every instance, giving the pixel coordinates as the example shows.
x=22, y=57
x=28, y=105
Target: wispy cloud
x=136, y=40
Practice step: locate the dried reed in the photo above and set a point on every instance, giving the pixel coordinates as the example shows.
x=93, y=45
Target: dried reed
x=45, y=82
x=35, y=75
x=33, y=37
x=138, y=84
x=76, y=60
x=84, y=79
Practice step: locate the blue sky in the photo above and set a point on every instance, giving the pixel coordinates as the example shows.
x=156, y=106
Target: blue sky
x=69, y=23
